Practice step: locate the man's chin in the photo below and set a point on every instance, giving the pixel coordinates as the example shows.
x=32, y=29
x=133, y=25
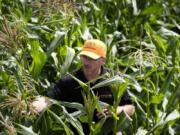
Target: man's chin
x=88, y=70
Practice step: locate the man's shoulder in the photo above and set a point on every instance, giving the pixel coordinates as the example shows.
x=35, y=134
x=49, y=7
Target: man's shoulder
x=68, y=77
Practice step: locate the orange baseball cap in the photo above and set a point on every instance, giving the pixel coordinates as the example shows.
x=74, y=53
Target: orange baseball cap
x=94, y=49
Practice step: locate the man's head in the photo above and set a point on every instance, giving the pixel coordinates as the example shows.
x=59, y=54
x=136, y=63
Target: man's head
x=93, y=56
x=94, y=49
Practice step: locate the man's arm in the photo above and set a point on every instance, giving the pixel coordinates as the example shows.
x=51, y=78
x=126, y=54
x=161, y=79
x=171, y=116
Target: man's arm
x=57, y=93
x=41, y=103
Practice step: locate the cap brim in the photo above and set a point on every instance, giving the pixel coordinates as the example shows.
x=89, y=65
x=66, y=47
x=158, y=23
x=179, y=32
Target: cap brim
x=90, y=54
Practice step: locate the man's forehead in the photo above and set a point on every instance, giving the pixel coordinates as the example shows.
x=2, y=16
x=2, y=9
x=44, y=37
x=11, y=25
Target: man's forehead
x=85, y=56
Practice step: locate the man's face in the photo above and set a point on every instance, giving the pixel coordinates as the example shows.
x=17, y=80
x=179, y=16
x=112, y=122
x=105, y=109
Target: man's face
x=90, y=65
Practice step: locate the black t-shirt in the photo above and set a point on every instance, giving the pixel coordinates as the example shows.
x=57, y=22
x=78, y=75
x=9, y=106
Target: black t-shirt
x=69, y=90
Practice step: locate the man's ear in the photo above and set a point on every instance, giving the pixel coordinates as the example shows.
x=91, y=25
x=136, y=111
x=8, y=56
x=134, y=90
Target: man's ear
x=103, y=60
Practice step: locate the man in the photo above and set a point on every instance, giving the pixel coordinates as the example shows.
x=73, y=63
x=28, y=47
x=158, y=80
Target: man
x=93, y=57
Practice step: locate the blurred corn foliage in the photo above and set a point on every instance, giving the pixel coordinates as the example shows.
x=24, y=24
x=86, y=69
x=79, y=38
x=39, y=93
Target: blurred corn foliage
x=39, y=43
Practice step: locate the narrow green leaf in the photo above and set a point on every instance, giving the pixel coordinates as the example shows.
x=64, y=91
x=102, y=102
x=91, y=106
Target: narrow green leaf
x=82, y=84
x=66, y=128
x=156, y=99
x=75, y=105
x=55, y=43
x=39, y=58
x=172, y=116
x=97, y=127
x=166, y=32
x=141, y=131
x=109, y=81
x=18, y=80
x=68, y=60
x=54, y=56
x=153, y=9
x=73, y=121
x=26, y=130
x=135, y=9
x=159, y=42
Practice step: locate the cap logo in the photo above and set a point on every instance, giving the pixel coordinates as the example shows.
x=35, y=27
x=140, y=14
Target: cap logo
x=90, y=45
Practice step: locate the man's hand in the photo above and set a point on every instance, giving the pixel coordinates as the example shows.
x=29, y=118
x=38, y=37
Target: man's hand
x=129, y=109
x=105, y=113
x=40, y=103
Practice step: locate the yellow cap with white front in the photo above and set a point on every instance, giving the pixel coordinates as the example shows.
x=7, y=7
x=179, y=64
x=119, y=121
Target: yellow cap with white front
x=94, y=49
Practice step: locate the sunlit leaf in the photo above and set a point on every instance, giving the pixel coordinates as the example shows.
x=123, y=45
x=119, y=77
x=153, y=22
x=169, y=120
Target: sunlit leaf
x=66, y=128
x=54, y=44
x=68, y=60
x=166, y=32
x=109, y=81
x=156, y=99
x=141, y=131
x=39, y=58
x=153, y=9
x=172, y=116
x=26, y=130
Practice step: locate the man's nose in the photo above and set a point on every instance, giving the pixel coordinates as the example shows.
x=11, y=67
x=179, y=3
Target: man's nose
x=86, y=61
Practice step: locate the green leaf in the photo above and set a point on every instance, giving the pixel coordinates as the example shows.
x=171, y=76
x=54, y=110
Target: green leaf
x=68, y=60
x=167, y=80
x=172, y=116
x=141, y=131
x=136, y=85
x=26, y=130
x=82, y=84
x=43, y=123
x=55, y=43
x=18, y=80
x=122, y=88
x=156, y=99
x=159, y=42
x=97, y=127
x=174, y=50
x=39, y=59
x=154, y=9
x=75, y=123
x=58, y=119
x=135, y=9
x=54, y=56
x=75, y=105
x=109, y=81
x=166, y=32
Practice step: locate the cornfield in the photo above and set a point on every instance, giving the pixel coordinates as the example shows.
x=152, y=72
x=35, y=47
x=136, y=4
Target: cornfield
x=40, y=42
